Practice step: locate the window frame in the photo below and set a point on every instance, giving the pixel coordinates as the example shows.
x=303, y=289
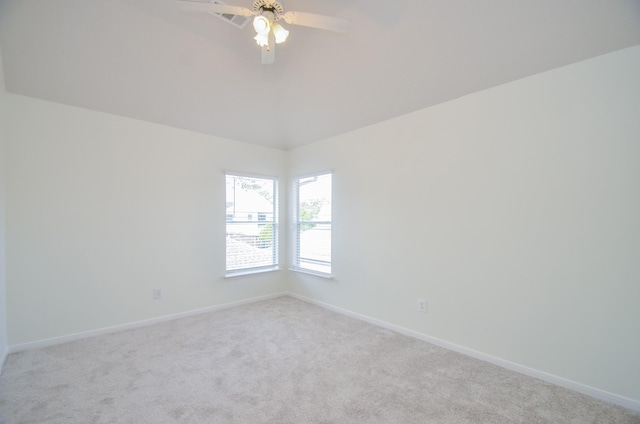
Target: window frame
x=296, y=225
x=275, y=265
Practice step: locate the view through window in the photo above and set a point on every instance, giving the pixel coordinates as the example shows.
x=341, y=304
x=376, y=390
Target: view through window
x=312, y=251
x=252, y=224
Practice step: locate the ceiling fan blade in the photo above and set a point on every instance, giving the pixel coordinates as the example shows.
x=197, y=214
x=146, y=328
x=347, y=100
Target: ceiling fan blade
x=269, y=52
x=195, y=6
x=317, y=21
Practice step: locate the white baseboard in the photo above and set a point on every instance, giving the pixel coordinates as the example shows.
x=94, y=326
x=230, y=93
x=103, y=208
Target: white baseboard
x=628, y=403
x=625, y=402
x=137, y=324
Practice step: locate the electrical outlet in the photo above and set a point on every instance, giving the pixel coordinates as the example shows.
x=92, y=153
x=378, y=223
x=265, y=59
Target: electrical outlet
x=157, y=294
x=422, y=305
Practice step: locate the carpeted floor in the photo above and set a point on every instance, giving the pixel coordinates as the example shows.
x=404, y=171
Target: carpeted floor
x=278, y=361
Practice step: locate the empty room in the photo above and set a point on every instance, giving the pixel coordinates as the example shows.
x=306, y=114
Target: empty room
x=303, y=211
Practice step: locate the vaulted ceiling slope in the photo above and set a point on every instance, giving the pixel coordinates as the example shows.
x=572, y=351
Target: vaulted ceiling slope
x=149, y=60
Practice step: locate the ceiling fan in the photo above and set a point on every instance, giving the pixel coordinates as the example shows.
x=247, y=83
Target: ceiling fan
x=267, y=14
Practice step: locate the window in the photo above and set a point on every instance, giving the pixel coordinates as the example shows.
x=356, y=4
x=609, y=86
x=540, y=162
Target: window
x=312, y=234
x=252, y=246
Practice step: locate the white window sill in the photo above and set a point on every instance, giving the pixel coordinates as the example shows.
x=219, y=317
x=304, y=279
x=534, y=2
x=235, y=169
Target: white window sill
x=251, y=271
x=314, y=273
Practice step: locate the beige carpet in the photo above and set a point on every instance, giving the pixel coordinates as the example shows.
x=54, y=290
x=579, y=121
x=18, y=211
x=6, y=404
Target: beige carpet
x=278, y=361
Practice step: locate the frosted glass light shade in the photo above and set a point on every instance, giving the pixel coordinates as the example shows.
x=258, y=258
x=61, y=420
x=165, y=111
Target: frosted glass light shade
x=280, y=33
x=261, y=25
x=262, y=39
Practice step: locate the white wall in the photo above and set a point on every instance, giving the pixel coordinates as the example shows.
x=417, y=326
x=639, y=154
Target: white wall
x=3, y=307
x=102, y=209
x=513, y=211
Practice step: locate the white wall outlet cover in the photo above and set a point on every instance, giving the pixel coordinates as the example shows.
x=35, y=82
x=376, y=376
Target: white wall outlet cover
x=157, y=294
x=422, y=305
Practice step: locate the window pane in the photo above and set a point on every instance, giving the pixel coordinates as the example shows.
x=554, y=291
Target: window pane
x=315, y=248
x=251, y=242
x=313, y=228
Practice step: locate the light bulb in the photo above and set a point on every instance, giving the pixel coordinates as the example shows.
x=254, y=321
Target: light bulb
x=261, y=24
x=280, y=33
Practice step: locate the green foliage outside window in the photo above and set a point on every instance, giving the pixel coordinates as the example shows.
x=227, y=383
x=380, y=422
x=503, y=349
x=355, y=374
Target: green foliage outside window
x=309, y=210
x=265, y=238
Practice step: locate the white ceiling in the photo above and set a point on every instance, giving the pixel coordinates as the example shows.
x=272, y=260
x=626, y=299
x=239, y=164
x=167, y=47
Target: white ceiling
x=149, y=60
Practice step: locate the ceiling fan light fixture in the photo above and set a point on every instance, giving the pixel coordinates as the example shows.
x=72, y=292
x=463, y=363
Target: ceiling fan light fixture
x=280, y=33
x=267, y=15
x=261, y=25
x=262, y=39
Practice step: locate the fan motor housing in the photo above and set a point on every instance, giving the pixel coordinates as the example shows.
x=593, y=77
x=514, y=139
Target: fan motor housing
x=268, y=5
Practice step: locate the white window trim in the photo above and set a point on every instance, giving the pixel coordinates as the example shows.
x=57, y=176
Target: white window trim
x=276, y=224
x=293, y=238
x=251, y=271
x=318, y=274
